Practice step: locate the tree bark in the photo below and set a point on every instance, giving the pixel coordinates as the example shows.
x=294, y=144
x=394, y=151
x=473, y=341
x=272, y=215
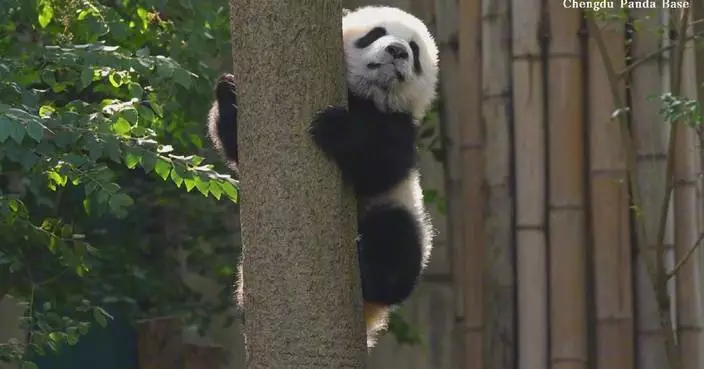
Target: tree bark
x=302, y=299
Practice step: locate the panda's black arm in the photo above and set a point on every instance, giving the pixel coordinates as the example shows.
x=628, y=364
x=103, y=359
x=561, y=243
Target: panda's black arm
x=226, y=118
x=374, y=150
x=334, y=132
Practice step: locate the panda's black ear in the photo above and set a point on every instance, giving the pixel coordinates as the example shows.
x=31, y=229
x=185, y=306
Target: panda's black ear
x=346, y=11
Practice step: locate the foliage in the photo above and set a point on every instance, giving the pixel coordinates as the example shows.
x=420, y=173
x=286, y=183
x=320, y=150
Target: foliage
x=674, y=108
x=430, y=140
x=99, y=101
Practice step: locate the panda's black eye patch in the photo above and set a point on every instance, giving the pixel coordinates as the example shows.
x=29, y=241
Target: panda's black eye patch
x=416, y=57
x=371, y=36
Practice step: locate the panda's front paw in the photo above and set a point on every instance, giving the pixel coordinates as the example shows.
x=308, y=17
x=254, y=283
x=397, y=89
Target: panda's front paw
x=330, y=129
x=225, y=89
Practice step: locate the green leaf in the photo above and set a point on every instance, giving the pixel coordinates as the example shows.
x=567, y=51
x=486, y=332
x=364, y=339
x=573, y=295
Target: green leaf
x=183, y=77
x=215, y=189
x=148, y=161
x=190, y=183
x=49, y=76
x=136, y=91
x=17, y=132
x=95, y=149
x=46, y=111
x=202, y=186
x=28, y=160
x=86, y=206
x=57, y=178
x=115, y=79
x=130, y=114
x=86, y=77
x=230, y=191
x=121, y=126
x=429, y=196
x=162, y=168
x=46, y=13
x=5, y=128
x=131, y=159
x=177, y=175
x=113, y=149
x=119, y=201
x=35, y=130
x=29, y=365
x=99, y=317
x=146, y=113
x=195, y=140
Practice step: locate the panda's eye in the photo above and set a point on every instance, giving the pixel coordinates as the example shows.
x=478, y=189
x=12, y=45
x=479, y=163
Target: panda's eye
x=416, y=57
x=371, y=36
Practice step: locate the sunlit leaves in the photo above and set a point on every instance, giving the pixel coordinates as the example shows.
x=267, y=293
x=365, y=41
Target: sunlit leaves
x=94, y=134
x=674, y=108
x=46, y=13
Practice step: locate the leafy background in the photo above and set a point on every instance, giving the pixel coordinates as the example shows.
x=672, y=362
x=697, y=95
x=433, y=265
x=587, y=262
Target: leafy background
x=108, y=187
x=103, y=176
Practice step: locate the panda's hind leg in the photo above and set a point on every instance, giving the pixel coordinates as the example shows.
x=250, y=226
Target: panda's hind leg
x=390, y=254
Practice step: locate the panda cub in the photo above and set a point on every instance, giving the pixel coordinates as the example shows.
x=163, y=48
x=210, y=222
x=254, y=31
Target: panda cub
x=391, y=71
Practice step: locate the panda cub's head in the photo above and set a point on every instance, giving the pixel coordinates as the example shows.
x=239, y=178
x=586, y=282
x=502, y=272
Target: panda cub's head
x=391, y=59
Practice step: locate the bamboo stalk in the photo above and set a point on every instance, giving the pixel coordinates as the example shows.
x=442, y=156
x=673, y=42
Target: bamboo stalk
x=447, y=33
x=566, y=191
x=685, y=197
x=529, y=149
x=500, y=294
x=669, y=241
x=698, y=20
x=650, y=137
x=609, y=198
x=472, y=177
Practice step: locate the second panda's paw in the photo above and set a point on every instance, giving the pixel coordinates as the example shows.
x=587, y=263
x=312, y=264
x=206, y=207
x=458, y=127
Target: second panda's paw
x=225, y=88
x=390, y=254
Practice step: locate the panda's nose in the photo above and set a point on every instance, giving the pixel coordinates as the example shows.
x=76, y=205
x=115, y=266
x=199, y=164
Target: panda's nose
x=397, y=51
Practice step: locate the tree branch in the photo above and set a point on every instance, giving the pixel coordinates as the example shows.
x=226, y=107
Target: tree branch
x=636, y=63
x=685, y=257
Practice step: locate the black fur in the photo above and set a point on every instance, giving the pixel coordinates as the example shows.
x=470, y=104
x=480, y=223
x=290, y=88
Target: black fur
x=390, y=254
x=417, y=68
x=371, y=36
x=375, y=151
x=226, y=98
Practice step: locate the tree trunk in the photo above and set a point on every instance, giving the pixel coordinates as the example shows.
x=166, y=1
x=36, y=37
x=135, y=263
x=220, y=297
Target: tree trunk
x=302, y=298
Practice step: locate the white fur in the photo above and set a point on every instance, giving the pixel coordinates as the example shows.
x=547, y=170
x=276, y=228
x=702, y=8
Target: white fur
x=416, y=93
